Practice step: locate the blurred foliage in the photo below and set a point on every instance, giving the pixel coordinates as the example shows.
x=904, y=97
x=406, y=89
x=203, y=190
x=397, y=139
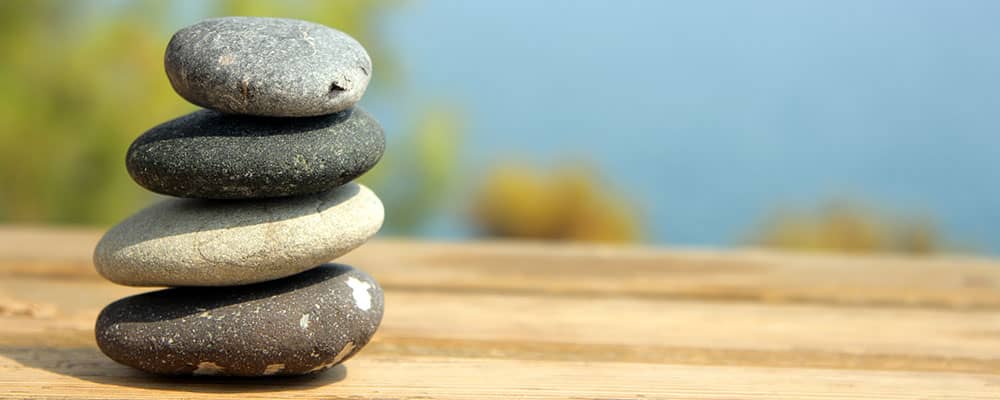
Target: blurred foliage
x=846, y=226
x=413, y=182
x=81, y=79
x=568, y=204
x=73, y=101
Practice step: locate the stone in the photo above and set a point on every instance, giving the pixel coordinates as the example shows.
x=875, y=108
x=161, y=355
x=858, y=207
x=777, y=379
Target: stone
x=207, y=154
x=267, y=66
x=191, y=242
x=297, y=325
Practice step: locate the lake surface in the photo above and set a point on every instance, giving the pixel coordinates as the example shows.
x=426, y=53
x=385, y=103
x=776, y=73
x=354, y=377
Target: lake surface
x=712, y=114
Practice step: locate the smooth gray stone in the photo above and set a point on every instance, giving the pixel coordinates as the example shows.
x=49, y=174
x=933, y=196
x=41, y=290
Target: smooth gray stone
x=211, y=155
x=185, y=242
x=267, y=66
x=297, y=325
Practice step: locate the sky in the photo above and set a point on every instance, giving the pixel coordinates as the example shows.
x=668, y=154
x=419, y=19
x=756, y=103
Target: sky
x=710, y=115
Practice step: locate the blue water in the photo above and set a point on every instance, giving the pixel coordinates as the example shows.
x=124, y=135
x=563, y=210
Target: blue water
x=711, y=114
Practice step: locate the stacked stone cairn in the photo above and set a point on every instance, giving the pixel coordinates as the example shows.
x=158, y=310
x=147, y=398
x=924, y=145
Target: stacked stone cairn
x=262, y=177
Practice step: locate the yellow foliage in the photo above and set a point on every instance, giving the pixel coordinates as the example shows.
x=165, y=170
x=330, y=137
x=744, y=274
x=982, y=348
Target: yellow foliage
x=568, y=204
x=848, y=227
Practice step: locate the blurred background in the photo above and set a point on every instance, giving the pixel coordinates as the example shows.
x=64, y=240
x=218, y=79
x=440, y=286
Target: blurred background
x=855, y=126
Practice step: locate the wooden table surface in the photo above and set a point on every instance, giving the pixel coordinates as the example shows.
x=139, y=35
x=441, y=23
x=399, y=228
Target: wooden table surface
x=525, y=320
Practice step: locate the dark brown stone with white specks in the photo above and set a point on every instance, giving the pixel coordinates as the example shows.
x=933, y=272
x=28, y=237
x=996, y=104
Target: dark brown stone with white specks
x=297, y=325
x=211, y=155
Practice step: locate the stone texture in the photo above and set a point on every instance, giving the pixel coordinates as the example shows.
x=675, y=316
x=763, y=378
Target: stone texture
x=300, y=324
x=267, y=66
x=185, y=242
x=211, y=155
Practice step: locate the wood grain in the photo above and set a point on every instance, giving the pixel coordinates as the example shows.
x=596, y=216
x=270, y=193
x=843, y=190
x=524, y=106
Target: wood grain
x=90, y=375
x=593, y=270
x=528, y=320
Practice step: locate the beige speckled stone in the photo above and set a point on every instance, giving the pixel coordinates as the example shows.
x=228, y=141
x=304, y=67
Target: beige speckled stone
x=185, y=242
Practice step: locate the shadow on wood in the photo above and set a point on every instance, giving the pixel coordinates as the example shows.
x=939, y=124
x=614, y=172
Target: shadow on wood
x=90, y=365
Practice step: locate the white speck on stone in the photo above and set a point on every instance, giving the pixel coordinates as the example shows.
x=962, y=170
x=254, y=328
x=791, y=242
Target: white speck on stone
x=226, y=59
x=340, y=357
x=359, y=290
x=207, y=368
x=273, y=369
x=304, y=321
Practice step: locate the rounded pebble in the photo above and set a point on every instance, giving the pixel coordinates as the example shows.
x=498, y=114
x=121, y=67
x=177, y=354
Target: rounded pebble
x=211, y=155
x=297, y=325
x=267, y=66
x=185, y=242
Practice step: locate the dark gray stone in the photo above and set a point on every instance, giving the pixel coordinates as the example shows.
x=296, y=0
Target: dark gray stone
x=211, y=155
x=267, y=66
x=300, y=324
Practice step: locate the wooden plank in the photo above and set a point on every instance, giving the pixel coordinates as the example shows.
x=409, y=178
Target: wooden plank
x=84, y=373
x=555, y=327
x=588, y=270
x=527, y=320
